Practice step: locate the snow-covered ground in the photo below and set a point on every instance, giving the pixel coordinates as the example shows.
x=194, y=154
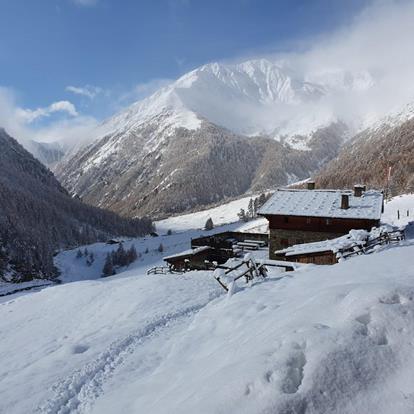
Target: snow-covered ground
x=322, y=339
x=401, y=204
x=223, y=214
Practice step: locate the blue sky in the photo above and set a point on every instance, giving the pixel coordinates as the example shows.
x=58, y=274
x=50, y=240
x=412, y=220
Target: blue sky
x=106, y=48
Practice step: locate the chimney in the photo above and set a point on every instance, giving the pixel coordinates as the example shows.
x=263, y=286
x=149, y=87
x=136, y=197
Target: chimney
x=310, y=185
x=344, y=201
x=358, y=190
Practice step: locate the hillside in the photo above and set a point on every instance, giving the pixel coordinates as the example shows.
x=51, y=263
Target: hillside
x=367, y=157
x=317, y=340
x=38, y=217
x=139, y=174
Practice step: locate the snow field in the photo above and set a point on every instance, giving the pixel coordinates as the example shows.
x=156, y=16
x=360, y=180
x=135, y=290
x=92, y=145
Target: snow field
x=223, y=214
x=323, y=339
x=337, y=340
x=402, y=204
x=67, y=339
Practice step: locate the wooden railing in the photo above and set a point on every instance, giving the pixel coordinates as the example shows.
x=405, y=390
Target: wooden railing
x=369, y=245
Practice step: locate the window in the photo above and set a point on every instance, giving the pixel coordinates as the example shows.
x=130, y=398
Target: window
x=328, y=222
x=308, y=220
x=286, y=219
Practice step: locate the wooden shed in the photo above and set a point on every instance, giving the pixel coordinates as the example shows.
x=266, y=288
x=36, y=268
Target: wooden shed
x=321, y=257
x=190, y=259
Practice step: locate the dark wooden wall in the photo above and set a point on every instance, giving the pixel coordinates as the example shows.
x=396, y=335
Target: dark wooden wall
x=320, y=224
x=321, y=258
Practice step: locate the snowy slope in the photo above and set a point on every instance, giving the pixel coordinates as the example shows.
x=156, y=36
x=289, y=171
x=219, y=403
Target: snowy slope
x=223, y=214
x=404, y=204
x=317, y=341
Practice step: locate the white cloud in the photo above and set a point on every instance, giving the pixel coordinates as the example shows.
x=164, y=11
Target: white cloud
x=18, y=121
x=85, y=3
x=88, y=90
x=148, y=88
x=376, y=49
x=30, y=115
x=144, y=89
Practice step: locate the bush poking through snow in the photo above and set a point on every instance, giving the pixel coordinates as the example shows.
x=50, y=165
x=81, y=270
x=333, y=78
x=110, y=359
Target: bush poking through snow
x=160, y=248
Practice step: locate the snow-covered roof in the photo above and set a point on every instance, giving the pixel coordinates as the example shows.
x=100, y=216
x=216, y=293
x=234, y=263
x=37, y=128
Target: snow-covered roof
x=355, y=237
x=189, y=252
x=323, y=203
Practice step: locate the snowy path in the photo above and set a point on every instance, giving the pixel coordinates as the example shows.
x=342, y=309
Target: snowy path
x=78, y=391
x=72, y=338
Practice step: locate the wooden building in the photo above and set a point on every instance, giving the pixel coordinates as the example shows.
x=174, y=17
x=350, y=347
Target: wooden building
x=322, y=257
x=216, y=248
x=196, y=259
x=306, y=216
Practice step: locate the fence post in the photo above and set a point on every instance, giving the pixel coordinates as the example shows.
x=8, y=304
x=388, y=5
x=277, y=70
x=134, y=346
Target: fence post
x=398, y=214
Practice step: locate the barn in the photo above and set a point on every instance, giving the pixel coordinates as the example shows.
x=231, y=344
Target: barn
x=298, y=216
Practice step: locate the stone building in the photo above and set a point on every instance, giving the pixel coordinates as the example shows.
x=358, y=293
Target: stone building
x=305, y=216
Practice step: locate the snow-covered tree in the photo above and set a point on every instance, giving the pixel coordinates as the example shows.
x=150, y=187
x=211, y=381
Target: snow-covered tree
x=250, y=209
x=242, y=215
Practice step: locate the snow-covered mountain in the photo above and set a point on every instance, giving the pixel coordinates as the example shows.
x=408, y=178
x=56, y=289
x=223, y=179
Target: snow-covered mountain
x=382, y=155
x=195, y=142
x=255, y=97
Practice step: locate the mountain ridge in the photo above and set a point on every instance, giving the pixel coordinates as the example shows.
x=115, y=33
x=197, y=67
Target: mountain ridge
x=38, y=216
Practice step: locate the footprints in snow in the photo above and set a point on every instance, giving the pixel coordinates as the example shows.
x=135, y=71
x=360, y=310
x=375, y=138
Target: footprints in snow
x=294, y=375
x=79, y=391
x=79, y=349
x=396, y=298
x=367, y=327
x=289, y=377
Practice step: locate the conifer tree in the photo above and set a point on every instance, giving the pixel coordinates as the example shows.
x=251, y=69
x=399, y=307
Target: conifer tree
x=242, y=215
x=209, y=224
x=108, y=269
x=132, y=254
x=250, y=209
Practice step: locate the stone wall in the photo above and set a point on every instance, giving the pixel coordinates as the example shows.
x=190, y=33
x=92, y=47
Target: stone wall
x=279, y=237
